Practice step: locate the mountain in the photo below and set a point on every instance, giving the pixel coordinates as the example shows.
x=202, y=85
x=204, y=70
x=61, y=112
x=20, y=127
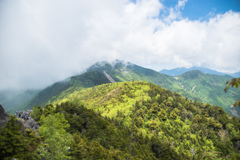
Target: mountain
x=85, y=80
x=13, y=100
x=178, y=71
x=174, y=72
x=208, y=88
x=122, y=71
x=101, y=73
x=124, y=120
x=237, y=74
x=212, y=86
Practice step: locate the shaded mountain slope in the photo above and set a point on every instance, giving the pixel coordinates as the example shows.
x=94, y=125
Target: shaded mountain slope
x=209, y=88
x=86, y=80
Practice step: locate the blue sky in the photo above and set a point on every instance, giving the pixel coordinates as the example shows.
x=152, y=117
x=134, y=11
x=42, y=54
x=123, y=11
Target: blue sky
x=55, y=39
x=203, y=9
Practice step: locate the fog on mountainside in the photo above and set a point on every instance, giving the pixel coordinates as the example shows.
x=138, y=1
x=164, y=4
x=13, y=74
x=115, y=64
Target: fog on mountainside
x=16, y=99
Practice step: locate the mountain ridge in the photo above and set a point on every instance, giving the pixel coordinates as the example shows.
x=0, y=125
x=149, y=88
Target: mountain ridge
x=179, y=71
x=195, y=85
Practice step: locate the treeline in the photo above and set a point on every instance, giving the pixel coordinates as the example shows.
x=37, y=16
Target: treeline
x=17, y=142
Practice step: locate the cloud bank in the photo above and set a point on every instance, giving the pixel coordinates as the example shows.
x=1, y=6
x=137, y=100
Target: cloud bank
x=45, y=41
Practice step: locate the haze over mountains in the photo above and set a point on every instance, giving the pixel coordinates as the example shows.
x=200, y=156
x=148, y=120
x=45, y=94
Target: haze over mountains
x=178, y=71
x=195, y=85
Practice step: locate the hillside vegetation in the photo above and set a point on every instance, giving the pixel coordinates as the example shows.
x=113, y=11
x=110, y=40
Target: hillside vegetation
x=193, y=129
x=209, y=88
x=124, y=120
x=86, y=80
x=195, y=85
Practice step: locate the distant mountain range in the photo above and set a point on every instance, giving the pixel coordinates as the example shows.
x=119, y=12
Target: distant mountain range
x=179, y=71
x=237, y=74
x=195, y=85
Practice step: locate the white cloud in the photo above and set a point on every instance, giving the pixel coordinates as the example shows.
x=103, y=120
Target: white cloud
x=45, y=41
x=175, y=13
x=181, y=4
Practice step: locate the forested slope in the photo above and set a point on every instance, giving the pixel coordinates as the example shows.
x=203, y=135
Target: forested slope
x=192, y=128
x=209, y=88
x=195, y=85
x=86, y=80
x=126, y=120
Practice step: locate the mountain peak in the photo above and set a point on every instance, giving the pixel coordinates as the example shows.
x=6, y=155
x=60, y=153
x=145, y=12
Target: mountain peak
x=192, y=74
x=106, y=65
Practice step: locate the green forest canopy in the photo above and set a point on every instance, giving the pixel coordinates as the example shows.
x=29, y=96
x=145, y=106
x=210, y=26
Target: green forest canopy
x=136, y=120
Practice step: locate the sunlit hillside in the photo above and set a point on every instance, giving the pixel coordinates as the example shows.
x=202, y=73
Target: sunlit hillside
x=191, y=126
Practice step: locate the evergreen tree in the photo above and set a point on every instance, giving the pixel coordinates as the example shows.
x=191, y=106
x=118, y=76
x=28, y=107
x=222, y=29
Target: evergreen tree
x=57, y=140
x=16, y=144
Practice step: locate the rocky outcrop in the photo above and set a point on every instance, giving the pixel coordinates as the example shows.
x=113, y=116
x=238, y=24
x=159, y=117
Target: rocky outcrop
x=3, y=116
x=31, y=124
x=21, y=113
x=26, y=120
